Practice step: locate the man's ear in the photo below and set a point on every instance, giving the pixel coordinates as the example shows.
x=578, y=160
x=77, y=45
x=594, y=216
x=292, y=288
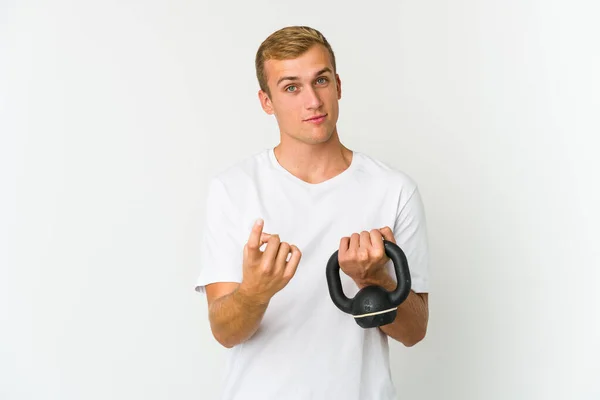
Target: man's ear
x=339, y=86
x=265, y=102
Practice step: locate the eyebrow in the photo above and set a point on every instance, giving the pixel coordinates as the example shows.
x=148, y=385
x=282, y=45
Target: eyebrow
x=295, y=78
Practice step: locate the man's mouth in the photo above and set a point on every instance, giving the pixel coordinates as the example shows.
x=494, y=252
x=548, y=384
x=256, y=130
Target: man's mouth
x=317, y=119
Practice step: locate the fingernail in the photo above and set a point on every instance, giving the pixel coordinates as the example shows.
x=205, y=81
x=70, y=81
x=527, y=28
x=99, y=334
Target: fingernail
x=258, y=221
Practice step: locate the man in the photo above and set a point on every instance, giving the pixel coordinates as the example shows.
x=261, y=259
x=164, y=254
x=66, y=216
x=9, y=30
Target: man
x=265, y=281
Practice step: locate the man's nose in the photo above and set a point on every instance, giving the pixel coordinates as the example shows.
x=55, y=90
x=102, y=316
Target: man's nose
x=313, y=100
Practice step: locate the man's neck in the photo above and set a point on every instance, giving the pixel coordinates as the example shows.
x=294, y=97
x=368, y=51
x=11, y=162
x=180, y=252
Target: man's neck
x=313, y=163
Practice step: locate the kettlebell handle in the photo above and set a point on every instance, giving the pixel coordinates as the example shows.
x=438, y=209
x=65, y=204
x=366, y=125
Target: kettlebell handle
x=396, y=297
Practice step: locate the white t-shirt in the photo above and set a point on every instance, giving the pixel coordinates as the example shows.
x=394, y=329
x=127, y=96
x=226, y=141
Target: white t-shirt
x=305, y=347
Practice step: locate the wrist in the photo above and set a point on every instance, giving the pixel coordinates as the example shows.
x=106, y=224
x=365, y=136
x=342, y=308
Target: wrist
x=250, y=297
x=380, y=278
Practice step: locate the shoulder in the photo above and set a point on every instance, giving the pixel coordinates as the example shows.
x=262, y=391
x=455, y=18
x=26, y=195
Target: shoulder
x=238, y=176
x=385, y=173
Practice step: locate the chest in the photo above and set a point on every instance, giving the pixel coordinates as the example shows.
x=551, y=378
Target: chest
x=316, y=221
x=300, y=215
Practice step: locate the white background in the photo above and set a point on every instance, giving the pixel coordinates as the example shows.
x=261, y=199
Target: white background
x=114, y=115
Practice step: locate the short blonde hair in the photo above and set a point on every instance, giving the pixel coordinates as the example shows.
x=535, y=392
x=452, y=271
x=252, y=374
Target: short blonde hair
x=286, y=43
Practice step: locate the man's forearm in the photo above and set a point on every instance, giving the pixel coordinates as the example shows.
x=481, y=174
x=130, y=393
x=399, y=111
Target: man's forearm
x=412, y=316
x=234, y=318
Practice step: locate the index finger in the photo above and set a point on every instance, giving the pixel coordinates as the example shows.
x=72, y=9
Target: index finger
x=377, y=239
x=254, y=241
x=388, y=234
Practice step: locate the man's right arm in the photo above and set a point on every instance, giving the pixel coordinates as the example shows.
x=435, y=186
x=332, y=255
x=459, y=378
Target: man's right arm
x=236, y=310
x=234, y=314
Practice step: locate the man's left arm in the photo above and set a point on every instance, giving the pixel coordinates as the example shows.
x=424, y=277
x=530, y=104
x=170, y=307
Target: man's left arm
x=410, y=325
x=362, y=257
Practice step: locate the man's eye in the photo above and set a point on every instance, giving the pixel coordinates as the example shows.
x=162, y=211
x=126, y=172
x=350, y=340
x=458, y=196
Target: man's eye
x=291, y=88
x=322, y=80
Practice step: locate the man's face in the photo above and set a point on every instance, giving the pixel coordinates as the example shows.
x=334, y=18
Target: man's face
x=304, y=95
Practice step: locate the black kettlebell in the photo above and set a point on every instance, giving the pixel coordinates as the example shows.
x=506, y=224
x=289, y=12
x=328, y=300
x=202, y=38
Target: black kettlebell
x=372, y=306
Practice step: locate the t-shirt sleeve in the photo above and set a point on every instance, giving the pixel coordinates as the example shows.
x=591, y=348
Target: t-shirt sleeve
x=221, y=254
x=410, y=232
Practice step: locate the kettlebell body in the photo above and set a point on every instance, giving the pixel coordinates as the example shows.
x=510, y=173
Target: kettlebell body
x=372, y=306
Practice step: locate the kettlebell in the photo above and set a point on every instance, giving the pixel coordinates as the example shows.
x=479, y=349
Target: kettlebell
x=372, y=306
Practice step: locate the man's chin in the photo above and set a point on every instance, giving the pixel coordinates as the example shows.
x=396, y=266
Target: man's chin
x=314, y=136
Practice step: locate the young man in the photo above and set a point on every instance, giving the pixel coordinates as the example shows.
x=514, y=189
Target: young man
x=265, y=282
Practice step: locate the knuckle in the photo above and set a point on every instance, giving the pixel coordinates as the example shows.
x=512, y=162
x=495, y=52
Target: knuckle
x=273, y=242
x=378, y=253
x=266, y=264
x=265, y=270
x=287, y=276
